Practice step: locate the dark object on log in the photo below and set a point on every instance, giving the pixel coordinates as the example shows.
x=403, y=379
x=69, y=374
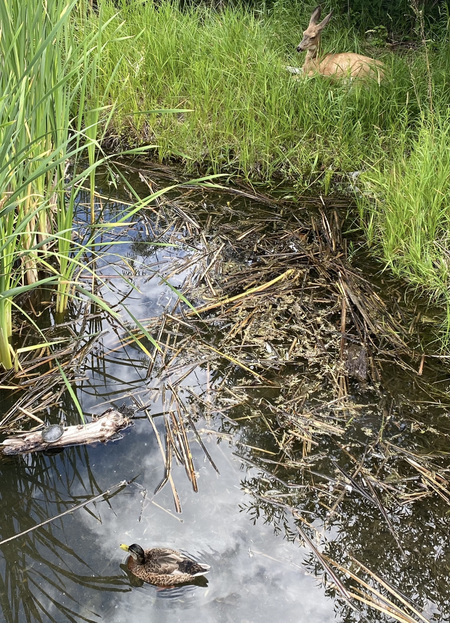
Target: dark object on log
x=101, y=429
x=52, y=433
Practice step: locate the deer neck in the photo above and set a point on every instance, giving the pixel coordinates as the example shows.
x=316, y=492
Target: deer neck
x=311, y=60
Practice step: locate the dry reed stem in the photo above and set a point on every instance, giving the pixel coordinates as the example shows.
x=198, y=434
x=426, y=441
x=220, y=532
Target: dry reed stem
x=114, y=489
x=283, y=296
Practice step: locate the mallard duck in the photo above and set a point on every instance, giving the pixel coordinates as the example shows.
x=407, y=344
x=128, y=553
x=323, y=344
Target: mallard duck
x=162, y=566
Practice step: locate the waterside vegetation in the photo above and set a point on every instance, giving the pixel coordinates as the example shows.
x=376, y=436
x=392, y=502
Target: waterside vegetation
x=50, y=135
x=248, y=116
x=296, y=326
x=106, y=76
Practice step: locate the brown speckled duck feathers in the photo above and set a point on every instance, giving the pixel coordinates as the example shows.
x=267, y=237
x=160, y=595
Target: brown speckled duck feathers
x=162, y=566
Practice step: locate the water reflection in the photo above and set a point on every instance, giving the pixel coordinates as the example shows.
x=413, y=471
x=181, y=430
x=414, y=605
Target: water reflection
x=43, y=572
x=353, y=528
x=244, y=521
x=72, y=566
x=249, y=571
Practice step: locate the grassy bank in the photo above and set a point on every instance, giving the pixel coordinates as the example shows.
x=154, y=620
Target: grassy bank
x=241, y=112
x=247, y=113
x=406, y=212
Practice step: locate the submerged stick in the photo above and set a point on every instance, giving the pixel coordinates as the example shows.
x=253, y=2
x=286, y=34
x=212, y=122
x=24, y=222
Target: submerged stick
x=121, y=484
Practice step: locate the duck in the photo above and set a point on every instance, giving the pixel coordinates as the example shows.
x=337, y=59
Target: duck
x=162, y=566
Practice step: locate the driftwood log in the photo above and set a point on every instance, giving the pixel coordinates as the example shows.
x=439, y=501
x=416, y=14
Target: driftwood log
x=102, y=428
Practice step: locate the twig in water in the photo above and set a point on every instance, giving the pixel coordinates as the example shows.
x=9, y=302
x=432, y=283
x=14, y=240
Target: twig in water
x=119, y=485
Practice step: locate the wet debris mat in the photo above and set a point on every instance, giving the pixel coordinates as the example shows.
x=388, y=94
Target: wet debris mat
x=311, y=370
x=314, y=375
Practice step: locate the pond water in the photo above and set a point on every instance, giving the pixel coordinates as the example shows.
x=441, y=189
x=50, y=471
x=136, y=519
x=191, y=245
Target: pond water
x=72, y=567
x=246, y=518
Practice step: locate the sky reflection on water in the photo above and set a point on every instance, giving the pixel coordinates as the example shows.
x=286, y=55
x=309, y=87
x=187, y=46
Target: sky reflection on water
x=254, y=576
x=74, y=565
x=72, y=569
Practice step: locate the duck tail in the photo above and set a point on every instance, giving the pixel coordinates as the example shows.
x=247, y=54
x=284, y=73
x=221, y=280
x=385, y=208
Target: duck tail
x=193, y=568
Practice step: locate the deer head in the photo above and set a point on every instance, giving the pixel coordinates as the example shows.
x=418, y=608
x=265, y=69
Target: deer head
x=311, y=36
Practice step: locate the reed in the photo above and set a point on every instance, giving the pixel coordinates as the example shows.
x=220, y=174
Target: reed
x=27, y=179
x=47, y=125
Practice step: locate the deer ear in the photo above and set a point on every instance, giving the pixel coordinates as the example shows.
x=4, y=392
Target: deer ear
x=325, y=20
x=315, y=16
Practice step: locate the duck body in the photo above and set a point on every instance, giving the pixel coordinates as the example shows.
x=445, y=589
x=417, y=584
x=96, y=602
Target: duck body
x=162, y=566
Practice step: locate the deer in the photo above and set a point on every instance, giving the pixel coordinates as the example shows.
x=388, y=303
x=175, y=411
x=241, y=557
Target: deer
x=343, y=65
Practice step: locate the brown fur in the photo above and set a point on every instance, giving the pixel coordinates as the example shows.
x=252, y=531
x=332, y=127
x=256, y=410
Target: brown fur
x=345, y=64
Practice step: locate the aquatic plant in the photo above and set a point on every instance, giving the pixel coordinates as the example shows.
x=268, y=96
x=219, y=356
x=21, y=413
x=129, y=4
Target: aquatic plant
x=49, y=123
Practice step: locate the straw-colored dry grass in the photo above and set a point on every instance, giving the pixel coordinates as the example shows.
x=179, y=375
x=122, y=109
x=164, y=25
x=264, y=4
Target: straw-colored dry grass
x=295, y=345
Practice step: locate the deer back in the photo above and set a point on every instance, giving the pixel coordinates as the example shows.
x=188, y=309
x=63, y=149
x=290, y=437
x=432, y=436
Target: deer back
x=346, y=64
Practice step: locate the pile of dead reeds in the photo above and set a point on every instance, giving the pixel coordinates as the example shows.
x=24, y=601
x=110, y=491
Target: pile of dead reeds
x=295, y=342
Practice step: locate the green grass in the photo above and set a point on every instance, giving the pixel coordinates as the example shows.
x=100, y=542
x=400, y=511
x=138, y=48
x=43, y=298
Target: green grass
x=408, y=218
x=248, y=116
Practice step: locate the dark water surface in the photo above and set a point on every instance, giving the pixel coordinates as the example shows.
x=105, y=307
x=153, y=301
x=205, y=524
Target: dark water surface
x=72, y=568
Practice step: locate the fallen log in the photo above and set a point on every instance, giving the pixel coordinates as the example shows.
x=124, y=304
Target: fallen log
x=101, y=429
